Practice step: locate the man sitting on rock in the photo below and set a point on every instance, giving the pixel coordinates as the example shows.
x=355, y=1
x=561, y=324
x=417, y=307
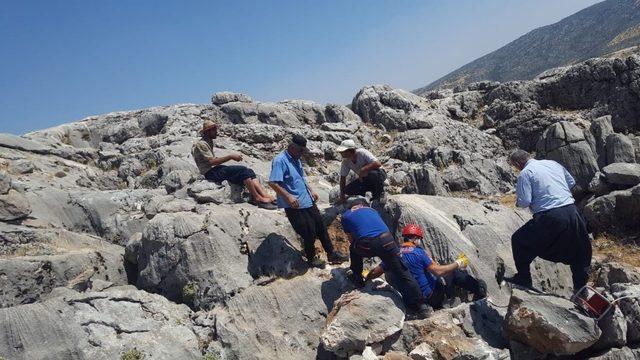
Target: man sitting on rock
x=428, y=272
x=371, y=176
x=211, y=167
x=370, y=237
x=287, y=179
x=557, y=232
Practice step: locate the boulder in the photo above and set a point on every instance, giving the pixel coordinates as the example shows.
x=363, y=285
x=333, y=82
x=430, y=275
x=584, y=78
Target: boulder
x=188, y=259
x=100, y=325
x=614, y=330
x=209, y=192
x=152, y=123
x=549, y=324
x=5, y=183
x=223, y=97
x=610, y=273
x=619, y=149
x=565, y=143
x=441, y=337
x=176, y=180
x=623, y=353
x=616, y=211
x=622, y=174
x=14, y=206
x=281, y=320
x=600, y=129
x=28, y=278
x=629, y=303
x=359, y=319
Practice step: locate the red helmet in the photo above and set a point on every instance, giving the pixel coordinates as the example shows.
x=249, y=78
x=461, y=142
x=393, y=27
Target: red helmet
x=412, y=229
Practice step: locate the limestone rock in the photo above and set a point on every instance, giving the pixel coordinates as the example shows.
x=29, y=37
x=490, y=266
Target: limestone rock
x=565, y=143
x=600, y=129
x=28, y=278
x=629, y=303
x=5, y=183
x=549, y=324
x=623, y=174
x=281, y=320
x=224, y=97
x=14, y=206
x=623, y=353
x=362, y=318
x=619, y=149
x=99, y=325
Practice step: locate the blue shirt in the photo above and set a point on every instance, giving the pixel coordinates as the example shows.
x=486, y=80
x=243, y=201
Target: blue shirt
x=544, y=185
x=288, y=172
x=418, y=262
x=363, y=222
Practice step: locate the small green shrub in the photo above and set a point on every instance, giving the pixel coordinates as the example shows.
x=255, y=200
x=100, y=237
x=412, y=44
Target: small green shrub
x=209, y=356
x=133, y=354
x=188, y=293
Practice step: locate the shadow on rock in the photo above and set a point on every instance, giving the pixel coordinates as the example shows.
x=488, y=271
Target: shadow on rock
x=276, y=256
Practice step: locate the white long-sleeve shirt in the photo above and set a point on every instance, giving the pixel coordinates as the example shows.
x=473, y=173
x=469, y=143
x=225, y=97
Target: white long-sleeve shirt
x=544, y=185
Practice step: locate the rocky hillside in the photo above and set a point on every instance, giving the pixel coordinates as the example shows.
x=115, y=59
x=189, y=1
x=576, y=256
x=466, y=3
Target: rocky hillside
x=610, y=27
x=113, y=247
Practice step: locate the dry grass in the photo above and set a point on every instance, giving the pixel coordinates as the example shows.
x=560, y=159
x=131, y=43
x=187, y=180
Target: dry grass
x=617, y=250
x=508, y=200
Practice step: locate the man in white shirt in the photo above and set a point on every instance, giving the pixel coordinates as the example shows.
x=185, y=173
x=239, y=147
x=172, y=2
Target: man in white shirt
x=557, y=232
x=363, y=163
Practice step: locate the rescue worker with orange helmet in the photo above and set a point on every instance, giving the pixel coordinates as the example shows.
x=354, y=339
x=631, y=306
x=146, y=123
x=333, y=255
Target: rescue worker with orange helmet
x=428, y=272
x=370, y=237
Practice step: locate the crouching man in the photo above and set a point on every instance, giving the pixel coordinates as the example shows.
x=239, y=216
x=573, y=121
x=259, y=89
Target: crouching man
x=370, y=237
x=427, y=272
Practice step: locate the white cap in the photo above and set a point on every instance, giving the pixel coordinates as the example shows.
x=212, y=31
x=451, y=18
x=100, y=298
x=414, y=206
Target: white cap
x=346, y=145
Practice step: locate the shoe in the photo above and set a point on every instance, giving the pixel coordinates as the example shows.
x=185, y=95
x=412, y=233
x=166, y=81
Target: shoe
x=357, y=281
x=267, y=206
x=316, y=262
x=337, y=257
x=520, y=280
x=423, y=311
x=482, y=290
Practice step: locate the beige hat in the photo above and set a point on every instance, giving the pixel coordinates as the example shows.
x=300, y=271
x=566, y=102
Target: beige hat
x=346, y=145
x=208, y=124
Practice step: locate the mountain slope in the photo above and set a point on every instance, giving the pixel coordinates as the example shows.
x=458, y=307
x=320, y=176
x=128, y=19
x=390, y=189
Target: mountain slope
x=598, y=30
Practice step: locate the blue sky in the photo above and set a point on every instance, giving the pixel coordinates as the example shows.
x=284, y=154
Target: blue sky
x=64, y=60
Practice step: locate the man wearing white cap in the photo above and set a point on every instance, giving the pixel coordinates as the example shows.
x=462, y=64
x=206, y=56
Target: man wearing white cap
x=371, y=176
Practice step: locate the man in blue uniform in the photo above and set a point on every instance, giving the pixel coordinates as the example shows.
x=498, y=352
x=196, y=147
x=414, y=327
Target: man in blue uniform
x=557, y=232
x=287, y=179
x=428, y=272
x=370, y=237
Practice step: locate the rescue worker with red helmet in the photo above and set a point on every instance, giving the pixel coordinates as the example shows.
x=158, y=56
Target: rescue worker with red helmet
x=427, y=272
x=370, y=237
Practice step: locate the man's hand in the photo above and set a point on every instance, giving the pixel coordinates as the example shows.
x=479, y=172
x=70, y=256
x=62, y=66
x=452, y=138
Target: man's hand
x=362, y=173
x=293, y=201
x=314, y=195
x=236, y=157
x=462, y=261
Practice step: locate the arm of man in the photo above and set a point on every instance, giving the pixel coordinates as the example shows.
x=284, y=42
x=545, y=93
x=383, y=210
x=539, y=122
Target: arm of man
x=372, y=166
x=442, y=270
x=571, y=182
x=372, y=162
x=215, y=161
x=375, y=273
x=523, y=191
x=275, y=178
x=343, y=183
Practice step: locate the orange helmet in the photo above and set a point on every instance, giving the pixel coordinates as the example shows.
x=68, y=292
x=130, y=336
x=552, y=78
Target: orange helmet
x=412, y=230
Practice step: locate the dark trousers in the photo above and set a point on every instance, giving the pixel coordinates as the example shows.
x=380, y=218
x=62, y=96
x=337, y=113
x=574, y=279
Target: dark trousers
x=387, y=250
x=309, y=225
x=235, y=174
x=374, y=182
x=445, y=290
x=558, y=235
